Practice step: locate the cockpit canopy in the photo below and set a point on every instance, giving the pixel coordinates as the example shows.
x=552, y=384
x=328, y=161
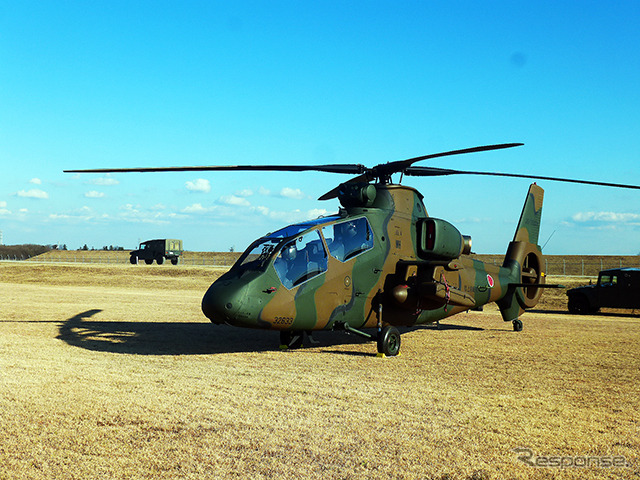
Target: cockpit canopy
x=300, y=251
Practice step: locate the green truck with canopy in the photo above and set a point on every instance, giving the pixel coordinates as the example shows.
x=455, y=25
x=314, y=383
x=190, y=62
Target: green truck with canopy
x=158, y=250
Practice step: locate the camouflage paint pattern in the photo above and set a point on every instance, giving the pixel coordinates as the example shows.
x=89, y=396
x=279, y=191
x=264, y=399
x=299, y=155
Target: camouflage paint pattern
x=411, y=287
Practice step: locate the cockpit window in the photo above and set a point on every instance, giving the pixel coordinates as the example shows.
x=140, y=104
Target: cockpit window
x=257, y=256
x=348, y=239
x=260, y=253
x=301, y=259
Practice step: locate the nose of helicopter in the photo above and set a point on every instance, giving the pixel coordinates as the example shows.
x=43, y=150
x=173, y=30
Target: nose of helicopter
x=227, y=301
x=221, y=303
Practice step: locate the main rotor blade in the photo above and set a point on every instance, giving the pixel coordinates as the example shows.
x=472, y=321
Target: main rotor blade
x=434, y=172
x=352, y=169
x=400, y=165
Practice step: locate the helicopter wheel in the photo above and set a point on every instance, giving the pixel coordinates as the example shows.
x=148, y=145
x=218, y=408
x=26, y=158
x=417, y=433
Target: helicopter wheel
x=517, y=325
x=389, y=341
x=291, y=340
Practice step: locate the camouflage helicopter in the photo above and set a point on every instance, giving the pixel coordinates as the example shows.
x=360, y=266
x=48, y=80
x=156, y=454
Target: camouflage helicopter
x=379, y=263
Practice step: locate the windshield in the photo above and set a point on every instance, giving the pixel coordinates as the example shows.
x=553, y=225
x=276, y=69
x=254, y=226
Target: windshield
x=295, y=229
x=257, y=256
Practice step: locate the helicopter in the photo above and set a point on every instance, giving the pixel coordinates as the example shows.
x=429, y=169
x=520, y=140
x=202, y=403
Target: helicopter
x=381, y=262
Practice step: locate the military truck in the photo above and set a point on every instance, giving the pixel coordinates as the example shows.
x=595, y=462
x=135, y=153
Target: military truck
x=157, y=250
x=616, y=288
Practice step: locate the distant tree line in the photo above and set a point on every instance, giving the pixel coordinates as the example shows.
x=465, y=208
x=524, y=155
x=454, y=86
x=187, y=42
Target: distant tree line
x=109, y=248
x=24, y=251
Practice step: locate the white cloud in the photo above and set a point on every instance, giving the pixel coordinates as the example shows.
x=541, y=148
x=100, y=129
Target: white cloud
x=33, y=193
x=262, y=210
x=316, y=213
x=195, y=208
x=606, y=217
x=292, y=216
x=104, y=181
x=3, y=208
x=135, y=213
x=199, y=185
x=294, y=193
x=475, y=220
x=59, y=216
x=244, y=193
x=264, y=191
x=234, y=200
x=36, y=181
x=82, y=214
x=94, y=194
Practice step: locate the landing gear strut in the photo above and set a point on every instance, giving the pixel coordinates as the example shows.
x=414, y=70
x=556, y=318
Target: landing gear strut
x=294, y=339
x=291, y=340
x=388, y=337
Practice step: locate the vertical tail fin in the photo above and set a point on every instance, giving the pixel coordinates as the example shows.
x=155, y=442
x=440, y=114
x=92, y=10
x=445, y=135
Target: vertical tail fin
x=529, y=225
x=524, y=259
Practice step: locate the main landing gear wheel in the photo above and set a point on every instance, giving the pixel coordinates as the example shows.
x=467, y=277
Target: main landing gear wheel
x=389, y=341
x=517, y=325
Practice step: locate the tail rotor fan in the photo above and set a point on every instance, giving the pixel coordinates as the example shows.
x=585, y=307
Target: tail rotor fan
x=531, y=277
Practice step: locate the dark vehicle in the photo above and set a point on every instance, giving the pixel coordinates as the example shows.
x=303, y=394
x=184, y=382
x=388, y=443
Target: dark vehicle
x=616, y=288
x=157, y=250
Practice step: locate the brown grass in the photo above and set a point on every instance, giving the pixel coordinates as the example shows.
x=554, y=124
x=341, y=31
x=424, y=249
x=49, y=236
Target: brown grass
x=580, y=265
x=122, y=257
x=113, y=372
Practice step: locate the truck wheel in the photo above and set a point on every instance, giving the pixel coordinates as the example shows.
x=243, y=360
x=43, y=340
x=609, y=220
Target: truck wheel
x=133, y=259
x=578, y=305
x=174, y=261
x=148, y=261
x=160, y=260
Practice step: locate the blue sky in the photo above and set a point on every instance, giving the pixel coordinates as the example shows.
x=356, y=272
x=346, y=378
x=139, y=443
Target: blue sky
x=142, y=84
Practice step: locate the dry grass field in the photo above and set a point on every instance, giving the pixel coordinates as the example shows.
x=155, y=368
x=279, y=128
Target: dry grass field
x=112, y=372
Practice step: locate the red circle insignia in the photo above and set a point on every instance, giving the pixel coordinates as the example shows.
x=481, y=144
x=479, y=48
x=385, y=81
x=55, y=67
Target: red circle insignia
x=490, y=281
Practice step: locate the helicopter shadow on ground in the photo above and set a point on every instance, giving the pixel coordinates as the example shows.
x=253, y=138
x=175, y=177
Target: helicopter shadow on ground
x=403, y=330
x=161, y=338
x=178, y=338
x=631, y=314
